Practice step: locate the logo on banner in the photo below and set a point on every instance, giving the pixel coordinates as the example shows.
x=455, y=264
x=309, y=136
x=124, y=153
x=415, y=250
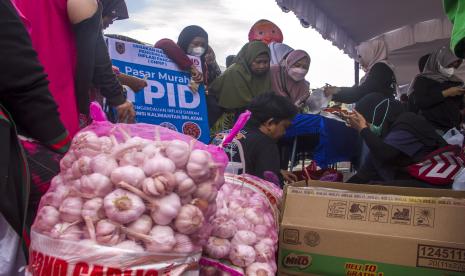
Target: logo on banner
x=120, y=47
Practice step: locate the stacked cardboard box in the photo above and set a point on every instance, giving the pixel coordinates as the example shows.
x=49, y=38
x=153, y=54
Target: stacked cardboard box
x=360, y=230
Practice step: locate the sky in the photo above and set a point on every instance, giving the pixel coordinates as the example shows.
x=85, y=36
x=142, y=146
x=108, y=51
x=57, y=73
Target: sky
x=227, y=23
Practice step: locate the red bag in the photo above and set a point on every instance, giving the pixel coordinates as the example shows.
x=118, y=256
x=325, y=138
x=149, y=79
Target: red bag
x=311, y=172
x=439, y=167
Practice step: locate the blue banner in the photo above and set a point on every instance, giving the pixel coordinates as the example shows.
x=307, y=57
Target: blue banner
x=167, y=100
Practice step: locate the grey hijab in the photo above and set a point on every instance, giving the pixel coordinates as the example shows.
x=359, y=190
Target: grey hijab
x=443, y=57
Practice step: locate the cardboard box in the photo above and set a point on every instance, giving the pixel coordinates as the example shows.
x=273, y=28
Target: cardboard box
x=360, y=230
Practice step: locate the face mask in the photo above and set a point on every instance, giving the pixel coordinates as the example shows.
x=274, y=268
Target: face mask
x=377, y=129
x=196, y=51
x=446, y=71
x=297, y=74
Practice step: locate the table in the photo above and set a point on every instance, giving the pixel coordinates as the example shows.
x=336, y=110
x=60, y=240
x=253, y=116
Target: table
x=337, y=142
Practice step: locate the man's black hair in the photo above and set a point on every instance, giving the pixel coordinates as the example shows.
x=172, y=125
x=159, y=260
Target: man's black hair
x=422, y=62
x=271, y=106
x=230, y=60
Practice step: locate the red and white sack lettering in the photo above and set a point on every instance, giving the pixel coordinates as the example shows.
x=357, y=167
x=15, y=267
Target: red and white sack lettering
x=244, y=229
x=67, y=258
x=439, y=167
x=129, y=200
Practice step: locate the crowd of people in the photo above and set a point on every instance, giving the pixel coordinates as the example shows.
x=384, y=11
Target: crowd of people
x=55, y=61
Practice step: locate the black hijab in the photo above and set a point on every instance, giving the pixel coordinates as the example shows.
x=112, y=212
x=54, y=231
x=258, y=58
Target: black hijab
x=397, y=118
x=188, y=34
x=115, y=8
x=367, y=105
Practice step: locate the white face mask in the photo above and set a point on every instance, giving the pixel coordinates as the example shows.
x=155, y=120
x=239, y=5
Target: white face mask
x=196, y=51
x=297, y=74
x=446, y=71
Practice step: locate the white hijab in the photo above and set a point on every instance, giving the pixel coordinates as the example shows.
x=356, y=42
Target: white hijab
x=278, y=51
x=372, y=52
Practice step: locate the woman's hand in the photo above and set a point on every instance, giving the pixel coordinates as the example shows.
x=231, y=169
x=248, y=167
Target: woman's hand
x=210, y=56
x=330, y=90
x=355, y=120
x=126, y=112
x=136, y=84
x=289, y=177
x=453, y=91
x=196, y=75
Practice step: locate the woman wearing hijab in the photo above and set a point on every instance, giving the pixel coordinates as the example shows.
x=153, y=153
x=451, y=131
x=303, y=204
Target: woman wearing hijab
x=395, y=139
x=113, y=10
x=278, y=51
x=379, y=76
x=193, y=40
x=438, y=93
x=288, y=78
x=247, y=78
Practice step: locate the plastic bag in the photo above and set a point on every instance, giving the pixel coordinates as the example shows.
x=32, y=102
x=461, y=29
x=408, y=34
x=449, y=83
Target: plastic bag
x=129, y=199
x=453, y=137
x=317, y=101
x=245, y=228
x=11, y=256
x=459, y=181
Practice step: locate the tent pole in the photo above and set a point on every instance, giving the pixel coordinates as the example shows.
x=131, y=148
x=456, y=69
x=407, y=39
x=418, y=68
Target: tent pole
x=356, y=72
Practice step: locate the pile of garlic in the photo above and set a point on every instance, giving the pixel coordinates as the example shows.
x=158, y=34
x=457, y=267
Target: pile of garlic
x=245, y=231
x=135, y=194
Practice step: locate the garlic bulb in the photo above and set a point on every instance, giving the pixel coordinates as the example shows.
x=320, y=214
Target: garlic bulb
x=46, y=218
x=96, y=185
x=253, y=216
x=70, y=209
x=264, y=250
x=199, y=165
x=244, y=237
x=81, y=167
x=259, y=269
x=108, y=233
x=178, y=151
x=166, y=209
x=183, y=244
x=159, y=185
x=186, y=185
x=142, y=225
x=93, y=209
x=242, y=255
x=103, y=164
x=123, y=206
x=206, y=191
x=158, y=164
x=189, y=220
x=67, y=161
x=56, y=195
x=161, y=239
x=223, y=228
x=217, y=248
x=129, y=174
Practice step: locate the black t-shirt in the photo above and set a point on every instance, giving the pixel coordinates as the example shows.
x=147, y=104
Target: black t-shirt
x=380, y=79
x=261, y=153
x=442, y=112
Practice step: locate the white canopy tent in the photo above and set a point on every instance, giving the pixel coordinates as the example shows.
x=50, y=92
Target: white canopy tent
x=410, y=28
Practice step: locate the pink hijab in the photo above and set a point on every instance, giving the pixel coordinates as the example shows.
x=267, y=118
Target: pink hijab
x=283, y=84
